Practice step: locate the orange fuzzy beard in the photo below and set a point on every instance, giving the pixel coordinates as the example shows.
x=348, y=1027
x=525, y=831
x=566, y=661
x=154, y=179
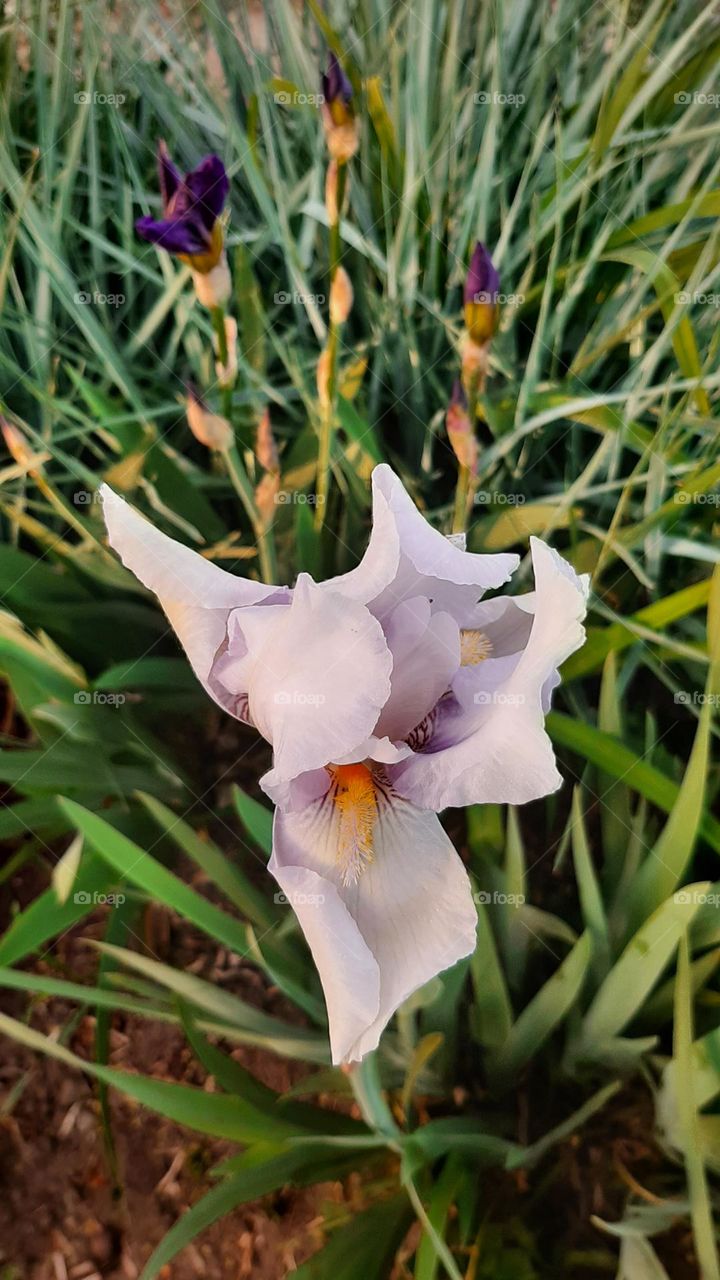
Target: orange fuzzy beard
x=356, y=802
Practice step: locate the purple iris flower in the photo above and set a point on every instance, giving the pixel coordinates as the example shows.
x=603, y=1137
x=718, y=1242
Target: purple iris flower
x=192, y=207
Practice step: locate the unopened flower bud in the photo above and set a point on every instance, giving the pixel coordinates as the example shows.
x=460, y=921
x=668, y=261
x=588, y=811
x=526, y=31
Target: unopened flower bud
x=341, y=297
x=460, y=430
x=211, y=429
x=480, y=296
x=227, y=373
x=16, y=444
x=213, y=288
x=340, y=123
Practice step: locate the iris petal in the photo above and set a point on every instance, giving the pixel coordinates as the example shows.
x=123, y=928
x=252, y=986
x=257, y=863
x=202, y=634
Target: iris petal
x=408, y=915
x=176, y=235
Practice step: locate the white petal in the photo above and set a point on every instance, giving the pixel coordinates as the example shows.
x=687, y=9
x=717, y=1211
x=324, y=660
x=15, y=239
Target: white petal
x=412, y=907
x=490, y=744
x=196, y=594
x=319, y=681
x=381, y=750
x=406, y=557
x=298, y=792
x=426, y=655
x=348, y=971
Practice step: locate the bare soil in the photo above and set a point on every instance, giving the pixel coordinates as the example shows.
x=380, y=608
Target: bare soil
x=61, y=1218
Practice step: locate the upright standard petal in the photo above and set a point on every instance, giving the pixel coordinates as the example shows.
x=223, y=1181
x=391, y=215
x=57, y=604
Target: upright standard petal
x=488, y=743
x=169, y=175
x=378, y=936
x=426, y=655
x=196, y=594
x=318, y=675
x=406, y=557
x=208, y=186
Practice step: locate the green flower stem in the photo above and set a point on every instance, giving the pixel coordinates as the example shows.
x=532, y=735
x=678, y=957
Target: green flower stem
x=263, y=532
x=236, y=468
x=465, y=478
x=217, y=316
x=328, y=420
x=462, y=493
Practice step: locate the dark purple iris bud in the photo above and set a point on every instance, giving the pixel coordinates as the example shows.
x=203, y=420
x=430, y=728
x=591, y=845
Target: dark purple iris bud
x=335, y=85
x=482, y=286
x=192, y=207
x=483, y=282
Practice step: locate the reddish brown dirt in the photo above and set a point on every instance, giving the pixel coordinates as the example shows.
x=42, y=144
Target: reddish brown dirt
x=59, y=1219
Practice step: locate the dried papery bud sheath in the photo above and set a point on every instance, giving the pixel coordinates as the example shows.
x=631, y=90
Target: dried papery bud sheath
x=338, y=113
x=474, y=364
x=213, y=288
x=334, y=212
x=211, y=429
x=341, y=297
x=460, y=430
x=323, y=378
x=480, y=296
x=266, y=450
x=16, y=444
x=266, y=493
x=227, y=372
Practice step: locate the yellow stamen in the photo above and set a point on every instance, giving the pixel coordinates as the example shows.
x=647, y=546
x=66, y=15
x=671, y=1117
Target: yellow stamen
x=474, y=648
x=356, y=803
